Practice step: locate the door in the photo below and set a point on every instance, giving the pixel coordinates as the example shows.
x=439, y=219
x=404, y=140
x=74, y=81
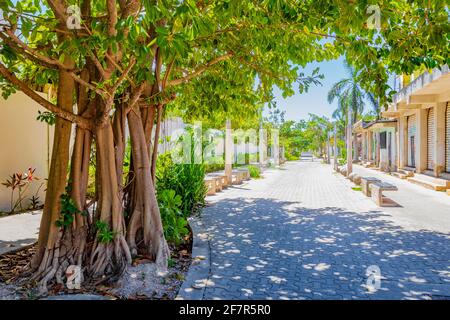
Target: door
x=390, y=150
x=413, y=153
x=411, y=122
x=430, y=139
x=447, y=139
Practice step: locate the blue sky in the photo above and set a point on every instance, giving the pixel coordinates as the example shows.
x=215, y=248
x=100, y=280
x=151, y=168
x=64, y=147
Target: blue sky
x=315, y=100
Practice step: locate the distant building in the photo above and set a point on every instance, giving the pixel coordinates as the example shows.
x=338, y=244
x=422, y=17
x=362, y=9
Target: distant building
x=414, y=137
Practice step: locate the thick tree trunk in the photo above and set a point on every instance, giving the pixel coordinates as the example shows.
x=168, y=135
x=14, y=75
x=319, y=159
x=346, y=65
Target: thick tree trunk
x=109, y=257
x=45, y=262
x=145, y=222
x=156, y=142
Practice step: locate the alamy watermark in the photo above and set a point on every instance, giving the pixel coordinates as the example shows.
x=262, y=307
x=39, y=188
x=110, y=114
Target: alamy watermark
x=192, y=145
x=374, y=19
x=74, y=19
x=74, y=277
x=373, y=274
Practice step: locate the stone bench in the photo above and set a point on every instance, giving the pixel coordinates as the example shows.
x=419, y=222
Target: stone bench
x=237, y=176
x=210, y=184
x=221, y=176
x=355, y=178
x=377, y=189
x=365, y=184
x=246, y=175
x=218, y=181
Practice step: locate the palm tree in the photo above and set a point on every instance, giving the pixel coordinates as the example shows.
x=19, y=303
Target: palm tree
x=349, y=94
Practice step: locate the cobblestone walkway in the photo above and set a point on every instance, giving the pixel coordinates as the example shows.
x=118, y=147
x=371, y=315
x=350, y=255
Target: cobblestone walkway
x=303, y=233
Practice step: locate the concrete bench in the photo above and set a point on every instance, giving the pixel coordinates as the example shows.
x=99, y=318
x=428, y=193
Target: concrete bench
x=355, y=178
x=218, y=183
x=221, y=176
x=246, y=175
x=237, y=177
x=365, y=184
x=377, y=189
x=210, y=184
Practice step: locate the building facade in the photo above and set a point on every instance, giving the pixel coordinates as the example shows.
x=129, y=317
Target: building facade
x=422, y=111
x=376, y=144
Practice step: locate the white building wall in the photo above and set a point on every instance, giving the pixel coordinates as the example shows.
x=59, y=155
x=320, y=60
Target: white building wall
x=24, y=143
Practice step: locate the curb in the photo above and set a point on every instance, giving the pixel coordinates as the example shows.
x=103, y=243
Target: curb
x=197, y=279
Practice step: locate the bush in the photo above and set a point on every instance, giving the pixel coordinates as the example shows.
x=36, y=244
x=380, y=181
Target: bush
x=254, y=171
x=173, y=220
x=246, y=158
x=215, y=163
x=290, y=157
x=341, y=161
x=186, y=180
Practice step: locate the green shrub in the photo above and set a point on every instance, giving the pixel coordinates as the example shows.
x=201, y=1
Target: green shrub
x=173, y=220
x=213, y=167
x=254, y=171
x=187, y=180
x=246, y=158
x=215, y=163
x=290, y=157
x=104, y=233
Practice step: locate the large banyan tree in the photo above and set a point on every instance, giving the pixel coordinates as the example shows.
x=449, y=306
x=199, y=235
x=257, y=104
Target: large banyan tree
x=115, y=65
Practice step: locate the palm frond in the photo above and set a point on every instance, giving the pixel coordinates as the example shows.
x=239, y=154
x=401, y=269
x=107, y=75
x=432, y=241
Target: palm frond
x=337, y=89
x=374, y=103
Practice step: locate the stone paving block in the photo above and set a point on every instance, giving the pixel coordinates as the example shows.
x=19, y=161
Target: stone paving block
x=308, y=236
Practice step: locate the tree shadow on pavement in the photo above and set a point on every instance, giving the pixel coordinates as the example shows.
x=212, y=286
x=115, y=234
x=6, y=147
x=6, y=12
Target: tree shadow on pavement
x=268, y=249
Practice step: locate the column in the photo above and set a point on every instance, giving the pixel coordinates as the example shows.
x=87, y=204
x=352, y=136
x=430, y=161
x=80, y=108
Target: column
x=421, y=140
x=335, y=147
x=364, y=146
x=403, y=142
x=276, y=147
x=328, y=147
x=349, y=142
x=228, y=151
x=261, y=145
x=439, y=143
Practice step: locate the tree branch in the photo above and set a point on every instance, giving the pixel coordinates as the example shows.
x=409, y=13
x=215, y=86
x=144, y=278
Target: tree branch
x=199, y=70
x=13, y=40
x=79, y=120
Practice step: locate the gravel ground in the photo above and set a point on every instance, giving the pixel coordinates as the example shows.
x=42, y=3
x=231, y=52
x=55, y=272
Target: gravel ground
x=144, y=281
x=8, y=292
x=140, y=281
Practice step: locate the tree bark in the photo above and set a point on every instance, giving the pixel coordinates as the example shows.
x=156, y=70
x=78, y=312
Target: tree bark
x=45, y=262
x=109, y=258
x=156, y=142
x=145, y=222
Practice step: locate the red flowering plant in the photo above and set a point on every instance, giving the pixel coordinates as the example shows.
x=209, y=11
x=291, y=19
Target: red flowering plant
x=19, y=183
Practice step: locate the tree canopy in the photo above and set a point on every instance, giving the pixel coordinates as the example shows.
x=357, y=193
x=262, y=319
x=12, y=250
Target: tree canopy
x=117, y=63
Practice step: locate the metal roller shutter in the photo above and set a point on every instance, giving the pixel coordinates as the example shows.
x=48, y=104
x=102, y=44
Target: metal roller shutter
x=411, y=140
x=430, y=138
x=447, y=139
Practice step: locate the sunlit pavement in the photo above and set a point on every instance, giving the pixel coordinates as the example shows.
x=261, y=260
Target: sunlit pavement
x=303, y=233
x=18, y=230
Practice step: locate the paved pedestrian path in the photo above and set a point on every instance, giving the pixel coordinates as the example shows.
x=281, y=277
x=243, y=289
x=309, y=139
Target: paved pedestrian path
x=18, y=230
x=419, y=207
x=303, y=233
